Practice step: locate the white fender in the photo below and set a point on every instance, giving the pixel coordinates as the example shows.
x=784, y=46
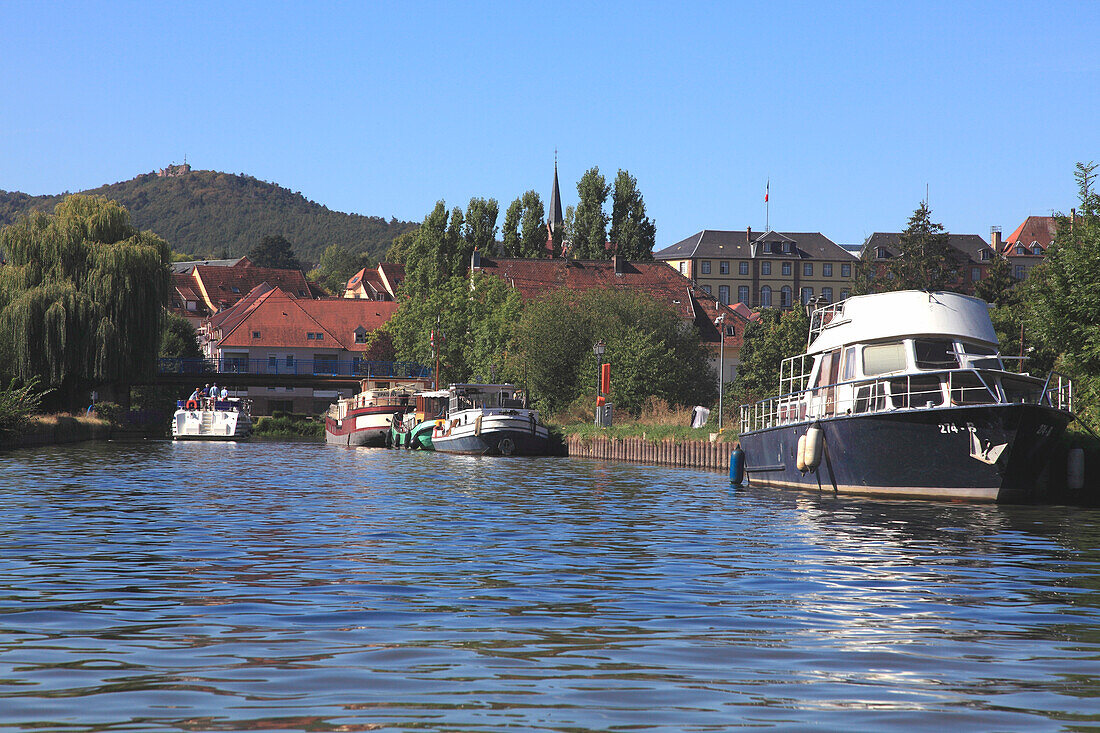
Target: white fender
x=815, y=439
x=800, y=454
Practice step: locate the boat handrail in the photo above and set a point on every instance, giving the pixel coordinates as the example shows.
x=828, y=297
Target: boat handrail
x=897, y=391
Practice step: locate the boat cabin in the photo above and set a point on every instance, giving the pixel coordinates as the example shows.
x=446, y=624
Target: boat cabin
x=485, y=396
x=900, y=350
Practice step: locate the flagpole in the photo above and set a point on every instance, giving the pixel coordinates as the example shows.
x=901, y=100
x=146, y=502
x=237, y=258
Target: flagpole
x=767, y=207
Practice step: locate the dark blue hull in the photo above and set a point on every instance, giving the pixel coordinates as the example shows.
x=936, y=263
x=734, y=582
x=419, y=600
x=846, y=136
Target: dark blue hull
x=981, y=453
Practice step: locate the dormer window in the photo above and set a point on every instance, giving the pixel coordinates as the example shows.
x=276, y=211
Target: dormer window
x=767, y=248
x=790, y=248
x=1036, y=250
x=301, y=293
x=235, y=289
x=1020, y=249
x=255, y=334
x=360, y=335
x=880, y=253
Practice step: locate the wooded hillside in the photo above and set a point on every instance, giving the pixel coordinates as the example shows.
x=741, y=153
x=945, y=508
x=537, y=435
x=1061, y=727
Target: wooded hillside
x=209, y=214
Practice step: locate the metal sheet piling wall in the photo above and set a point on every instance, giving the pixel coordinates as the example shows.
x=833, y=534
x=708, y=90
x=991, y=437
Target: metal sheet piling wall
x=689, y=454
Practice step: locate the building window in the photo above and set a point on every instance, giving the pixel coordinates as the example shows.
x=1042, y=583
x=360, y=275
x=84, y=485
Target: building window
x=986, y=255
x=765, y=297
x=743, y=294
x=827, y=294
x=785, y=296
x=807, y=294
x=767, y=248
x=786, y=268
x=236, y=289
x=706, y=289
x=1019, y=272
x=255, y=334
x=289, y=360
x=880, y=253
x=827, y=269
x=975, y=274
x=807, y=269
x=683, y=268
x=765, y=268
x=724, y=294
x=360, y=337
x=704, y=267
x=309, y=336
x=723, y=268
x=272, y=361
x=743, y=268
x=1020, y=249
x=1036, y=250
x=843, y=294
x=845, y=270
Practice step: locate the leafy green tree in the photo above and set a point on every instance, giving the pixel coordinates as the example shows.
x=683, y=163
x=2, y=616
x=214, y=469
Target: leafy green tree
x=457, y=254
x=510, y=231
x=276, y=252
x=400, y=247
x=481, y=225
x=82, y=297
x=589, y=229
x=428, y=258
x=775, y=336
x=335, y=269
x=868, y=276
x=178, y=340
x=475, y=315
x=650, y=351
x=633, y=234
x=1063, y=295
x=996, y=288
x=926, y=260
x=533, y=233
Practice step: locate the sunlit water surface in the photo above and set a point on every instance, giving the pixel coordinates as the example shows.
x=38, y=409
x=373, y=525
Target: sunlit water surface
x=291, y=586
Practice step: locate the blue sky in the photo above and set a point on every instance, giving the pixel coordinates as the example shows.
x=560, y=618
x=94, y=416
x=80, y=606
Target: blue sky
x=850, y=109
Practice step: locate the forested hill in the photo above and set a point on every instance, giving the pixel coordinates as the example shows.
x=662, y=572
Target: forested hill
x=207, y=213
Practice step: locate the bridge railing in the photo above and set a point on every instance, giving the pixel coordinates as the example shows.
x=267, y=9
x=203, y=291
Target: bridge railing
x=297, y=367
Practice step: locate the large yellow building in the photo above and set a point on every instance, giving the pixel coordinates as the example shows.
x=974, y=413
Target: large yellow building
x=773, y=269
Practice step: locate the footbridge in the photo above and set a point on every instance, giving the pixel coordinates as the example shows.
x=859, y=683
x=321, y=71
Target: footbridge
x=320, y=374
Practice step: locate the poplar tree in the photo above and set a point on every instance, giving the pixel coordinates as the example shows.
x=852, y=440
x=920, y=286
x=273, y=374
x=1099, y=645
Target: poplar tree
x=509, y=232
x=632, y=233
x=533, y=233
x=589, y=230
x=82, y=297
x=481, y=224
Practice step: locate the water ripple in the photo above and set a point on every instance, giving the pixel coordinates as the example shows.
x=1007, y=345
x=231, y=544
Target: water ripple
x=295, y=586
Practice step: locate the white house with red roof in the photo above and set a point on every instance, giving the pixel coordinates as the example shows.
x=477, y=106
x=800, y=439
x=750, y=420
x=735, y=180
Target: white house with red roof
x=274, y=331
x=379, y=283
x=1027, y=246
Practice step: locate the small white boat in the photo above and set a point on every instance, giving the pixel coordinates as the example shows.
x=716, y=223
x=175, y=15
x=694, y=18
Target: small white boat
x=212, y=420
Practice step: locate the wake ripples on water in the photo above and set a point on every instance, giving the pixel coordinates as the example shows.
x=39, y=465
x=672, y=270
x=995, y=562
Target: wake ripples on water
x=301, y=586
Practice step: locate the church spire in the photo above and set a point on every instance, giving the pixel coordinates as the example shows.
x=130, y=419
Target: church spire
x=555, y=218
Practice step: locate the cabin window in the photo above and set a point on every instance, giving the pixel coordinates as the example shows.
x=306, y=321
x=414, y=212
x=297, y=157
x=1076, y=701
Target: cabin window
x=935, y=354
x=980, y=357
x=968, y=389
x=849, y=364
x=915, y=391
x=883, y=358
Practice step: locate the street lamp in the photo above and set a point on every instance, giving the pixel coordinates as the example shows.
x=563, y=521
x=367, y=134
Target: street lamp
x=720, y=322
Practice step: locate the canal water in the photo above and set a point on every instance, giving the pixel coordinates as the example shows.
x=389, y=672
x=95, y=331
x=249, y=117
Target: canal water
x=298, y=586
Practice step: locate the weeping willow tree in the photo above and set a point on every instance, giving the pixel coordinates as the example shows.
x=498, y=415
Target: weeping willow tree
x=81, y=298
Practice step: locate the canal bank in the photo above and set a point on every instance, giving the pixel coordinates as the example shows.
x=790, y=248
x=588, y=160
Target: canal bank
x=706, y=454
x=56, y=430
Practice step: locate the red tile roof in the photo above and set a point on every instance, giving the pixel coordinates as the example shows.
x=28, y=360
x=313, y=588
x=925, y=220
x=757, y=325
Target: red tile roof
x=533, y=277
x=218, y=283
x=285, y=321
x=1037, y=229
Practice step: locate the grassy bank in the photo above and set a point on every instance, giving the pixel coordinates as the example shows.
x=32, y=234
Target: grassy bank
x=289, y=425
x=56, y=429
x=656, y=421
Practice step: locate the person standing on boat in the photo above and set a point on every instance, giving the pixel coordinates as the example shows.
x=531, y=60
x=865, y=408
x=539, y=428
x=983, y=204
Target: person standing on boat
x=224, y=394
x=213, y=394
x=194, y=396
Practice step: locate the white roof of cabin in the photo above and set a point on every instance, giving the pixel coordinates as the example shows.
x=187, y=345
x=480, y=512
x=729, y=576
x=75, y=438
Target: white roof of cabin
x=906, y=314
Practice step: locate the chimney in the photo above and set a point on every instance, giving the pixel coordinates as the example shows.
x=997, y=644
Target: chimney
x=995, y=238
x=619, y=263
x=475, y=260
x=748, y=235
